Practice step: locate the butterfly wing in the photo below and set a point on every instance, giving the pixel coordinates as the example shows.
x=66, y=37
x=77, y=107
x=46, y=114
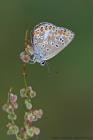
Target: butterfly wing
x=48, y=40
x=58, y=41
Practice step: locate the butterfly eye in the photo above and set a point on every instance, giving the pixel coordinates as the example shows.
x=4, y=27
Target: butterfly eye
x=32, y=59
x=42, y=63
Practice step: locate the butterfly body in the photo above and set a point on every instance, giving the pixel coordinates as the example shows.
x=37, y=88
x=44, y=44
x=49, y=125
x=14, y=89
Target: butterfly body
x=47, y=41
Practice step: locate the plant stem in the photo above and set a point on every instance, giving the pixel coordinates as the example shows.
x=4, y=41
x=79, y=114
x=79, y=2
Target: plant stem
x=24, y=75
x=25, y=82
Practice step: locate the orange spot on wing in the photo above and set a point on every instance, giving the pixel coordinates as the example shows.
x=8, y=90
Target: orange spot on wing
x=50, y=27
x=37, y=32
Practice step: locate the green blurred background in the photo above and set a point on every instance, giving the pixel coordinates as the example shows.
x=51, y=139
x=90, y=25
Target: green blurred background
x=65, y=95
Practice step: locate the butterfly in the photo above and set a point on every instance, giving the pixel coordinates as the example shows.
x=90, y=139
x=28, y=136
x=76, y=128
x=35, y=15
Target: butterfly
x=46, y=41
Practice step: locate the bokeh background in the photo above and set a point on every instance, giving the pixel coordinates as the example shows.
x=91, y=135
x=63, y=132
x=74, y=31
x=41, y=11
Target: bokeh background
x=65, y=94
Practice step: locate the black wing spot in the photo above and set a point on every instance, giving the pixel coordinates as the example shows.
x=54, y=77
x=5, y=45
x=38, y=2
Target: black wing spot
x=61, y=39
x=47, y=49
x=57, y=46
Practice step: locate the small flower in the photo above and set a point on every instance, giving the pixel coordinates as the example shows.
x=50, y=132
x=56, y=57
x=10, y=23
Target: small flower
x=7, y=108
x=22, y=92
x=9, y=125
x=33, y=131
x=30, y=132
x=24, y=57
x=30, y=88
x=36, y=130
x=31, y=92
x=13, y=130
x=12, y=116
x=38, y=113
x=28, y=104
x=28, y=92
x=13, y=98
x=15, y=105
x=29, y=118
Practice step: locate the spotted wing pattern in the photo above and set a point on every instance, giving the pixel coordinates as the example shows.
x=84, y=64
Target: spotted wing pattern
x=48, y=40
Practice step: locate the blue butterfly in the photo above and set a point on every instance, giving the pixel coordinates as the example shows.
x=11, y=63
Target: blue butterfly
x=47, y=40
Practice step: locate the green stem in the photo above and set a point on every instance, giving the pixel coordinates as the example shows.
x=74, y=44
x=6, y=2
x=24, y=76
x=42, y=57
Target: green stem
x=25, y=82
x=10, y=90
x=24, y=75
